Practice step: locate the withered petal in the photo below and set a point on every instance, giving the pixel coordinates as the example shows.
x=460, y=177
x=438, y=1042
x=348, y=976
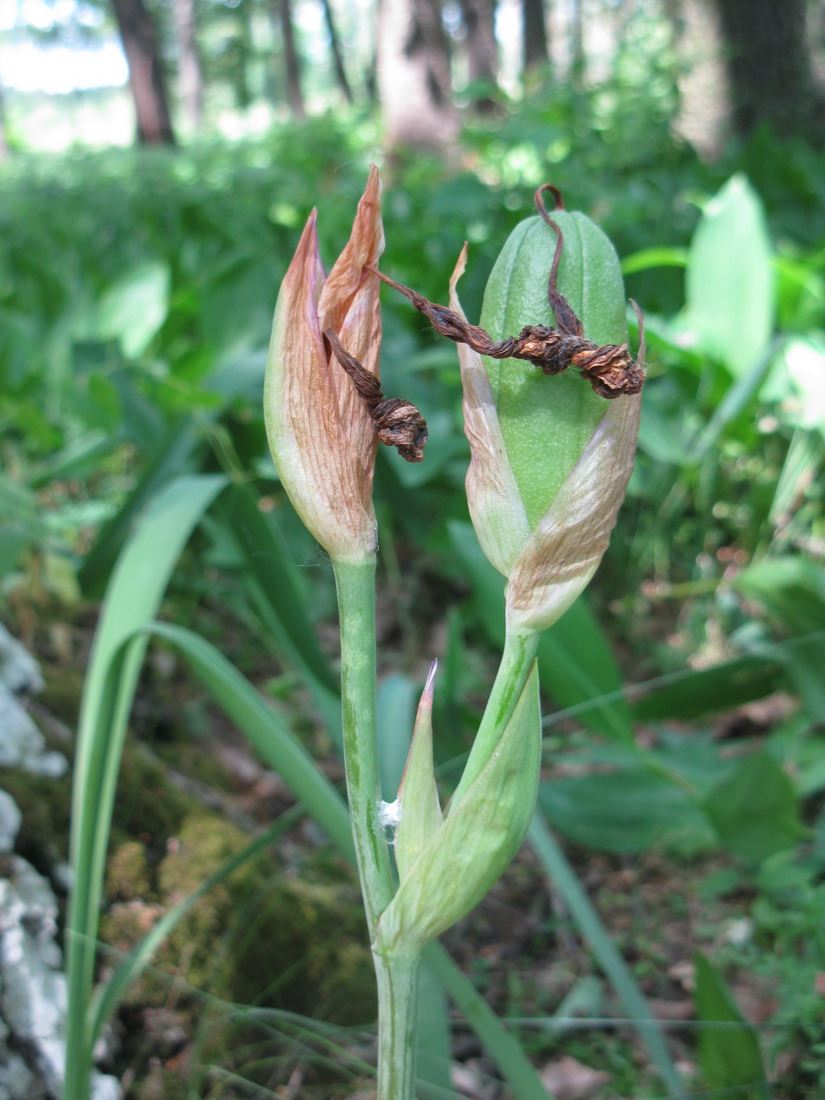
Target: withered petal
x=350, y=293
x=327, y=476
x=495, y=503
x=566, y=547
x=350, y=305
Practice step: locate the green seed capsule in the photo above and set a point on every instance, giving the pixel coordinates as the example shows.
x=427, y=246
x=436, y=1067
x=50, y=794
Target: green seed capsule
x=547, y=422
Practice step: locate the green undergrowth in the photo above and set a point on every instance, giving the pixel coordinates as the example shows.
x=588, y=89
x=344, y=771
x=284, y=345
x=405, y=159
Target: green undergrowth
x=136, y=294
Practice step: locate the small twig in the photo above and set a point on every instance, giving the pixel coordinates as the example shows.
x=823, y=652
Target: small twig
x=398, y=422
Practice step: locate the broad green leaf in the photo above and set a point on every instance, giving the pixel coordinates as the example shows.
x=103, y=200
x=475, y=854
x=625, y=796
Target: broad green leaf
x=754, y=809
x=693, y=693
x=654, y=257
x=133, y=309
x=728, y=1048
x=796, y=381
x=792, y=589
x=730, y=279
x=577, y=667
x=630, y=810
x=665, y=437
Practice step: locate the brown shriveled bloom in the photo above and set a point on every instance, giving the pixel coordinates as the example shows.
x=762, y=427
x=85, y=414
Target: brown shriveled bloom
x=322, y=430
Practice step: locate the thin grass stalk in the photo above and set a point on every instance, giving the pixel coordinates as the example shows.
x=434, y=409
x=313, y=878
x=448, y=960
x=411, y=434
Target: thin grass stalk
x=101, y=735
x=517, y=1069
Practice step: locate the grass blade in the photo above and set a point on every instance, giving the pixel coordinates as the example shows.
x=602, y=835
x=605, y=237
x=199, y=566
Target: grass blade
x=133, y=596
x=261, y=543
x=272, y=740
x=172, y=456
x=433, y=1035
x=729, y=1054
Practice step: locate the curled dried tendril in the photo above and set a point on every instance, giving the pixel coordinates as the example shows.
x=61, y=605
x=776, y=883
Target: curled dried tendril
x=398, y=423
x=610, y=369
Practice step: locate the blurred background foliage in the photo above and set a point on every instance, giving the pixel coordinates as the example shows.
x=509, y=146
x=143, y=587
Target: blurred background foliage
x=685, y=700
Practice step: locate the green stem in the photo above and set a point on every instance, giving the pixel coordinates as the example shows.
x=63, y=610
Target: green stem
x=516, y=662
x=397, y=978
x=356, y=609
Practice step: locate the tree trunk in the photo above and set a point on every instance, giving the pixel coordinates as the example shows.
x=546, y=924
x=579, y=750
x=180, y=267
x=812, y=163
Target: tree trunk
x=140, y=44
x=414, y=75
x=769, y=67
x=702, y=118
x=294, y=93
x=241, y=52
x=535, y=47
x=190, y=75
x=482, y=56
x=335, y=47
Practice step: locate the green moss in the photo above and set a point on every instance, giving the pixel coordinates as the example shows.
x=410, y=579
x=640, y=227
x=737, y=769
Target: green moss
x=45, y=805
x=302, y=946
x=163, y=1083
x=147, y=804
x=62, y=693
x=261, y=936
x=127, y=873
x=194, y=761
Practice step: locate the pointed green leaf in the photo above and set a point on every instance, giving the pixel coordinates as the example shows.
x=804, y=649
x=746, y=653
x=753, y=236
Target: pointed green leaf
x=421, y=816
x=754, y=810
x=730, y=284
x=479, y=837
x=729, y=1054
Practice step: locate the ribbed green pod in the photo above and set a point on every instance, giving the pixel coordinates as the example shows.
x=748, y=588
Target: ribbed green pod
x=546, y=421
